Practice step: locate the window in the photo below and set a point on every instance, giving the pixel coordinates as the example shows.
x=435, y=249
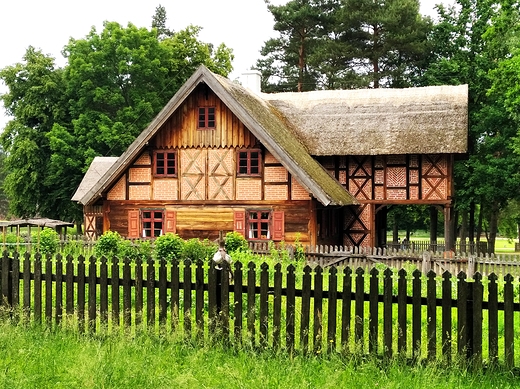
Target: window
x=249, y=162
x=206, y=118
x=165, y=164
x=258, y=223
x=152, y=222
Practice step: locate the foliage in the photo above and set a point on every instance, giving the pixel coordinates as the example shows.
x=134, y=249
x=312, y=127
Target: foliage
x=234, y=241
x=169, y=247
x=195, y=249
x=133, y=250
x=345, y=44
x=108, y=245
x=114, y=83
x=49, y=241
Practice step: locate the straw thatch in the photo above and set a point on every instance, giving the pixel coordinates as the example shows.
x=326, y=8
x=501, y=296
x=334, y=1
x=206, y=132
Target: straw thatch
x=426, y=120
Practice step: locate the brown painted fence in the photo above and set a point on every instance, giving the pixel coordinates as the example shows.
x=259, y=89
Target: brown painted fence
x=307, y=309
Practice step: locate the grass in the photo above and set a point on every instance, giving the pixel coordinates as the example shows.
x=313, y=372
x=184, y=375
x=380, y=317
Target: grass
x=33, y=357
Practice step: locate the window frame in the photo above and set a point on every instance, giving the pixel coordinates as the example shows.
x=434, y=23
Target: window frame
x=152, y=219
x=257, y=222
x=166, y=160
x=248, y=160
x=204, y=113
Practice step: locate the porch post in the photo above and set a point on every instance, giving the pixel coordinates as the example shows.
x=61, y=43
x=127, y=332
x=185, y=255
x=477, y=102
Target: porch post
x=448, y=225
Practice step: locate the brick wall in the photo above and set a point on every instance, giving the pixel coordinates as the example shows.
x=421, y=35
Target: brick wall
x=248, y=189
x=275, y=174
x=297, y=191
x=139, y=192
x=118, y=191
x=144, y=159
x=166, y=189
x=141, y=174
x=276, y=192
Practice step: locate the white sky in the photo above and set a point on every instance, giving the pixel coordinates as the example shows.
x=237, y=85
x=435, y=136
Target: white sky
x=243, y=25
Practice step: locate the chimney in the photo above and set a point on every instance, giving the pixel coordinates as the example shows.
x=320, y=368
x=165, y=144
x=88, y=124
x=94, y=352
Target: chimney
x=251, y=80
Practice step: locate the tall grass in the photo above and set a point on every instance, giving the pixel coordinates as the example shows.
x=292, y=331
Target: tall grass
x=35, y=357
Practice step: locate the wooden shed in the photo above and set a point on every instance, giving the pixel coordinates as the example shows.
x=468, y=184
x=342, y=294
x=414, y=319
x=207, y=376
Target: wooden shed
x=314, y=166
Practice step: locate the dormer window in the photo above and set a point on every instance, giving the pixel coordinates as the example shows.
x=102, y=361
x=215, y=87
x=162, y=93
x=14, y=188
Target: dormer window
x=206, y=119
x=165, y=164
x=249, y=162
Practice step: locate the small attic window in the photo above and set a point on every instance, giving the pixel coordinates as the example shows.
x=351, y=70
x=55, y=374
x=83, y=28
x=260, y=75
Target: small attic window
x=249, y=162
x=165, y=164
x=206, y=118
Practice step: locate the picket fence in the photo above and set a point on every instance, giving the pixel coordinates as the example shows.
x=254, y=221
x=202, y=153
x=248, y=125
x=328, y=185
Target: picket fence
x=304, y=309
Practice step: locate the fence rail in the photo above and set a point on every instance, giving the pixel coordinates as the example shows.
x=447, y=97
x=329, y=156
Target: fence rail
x=307, y=309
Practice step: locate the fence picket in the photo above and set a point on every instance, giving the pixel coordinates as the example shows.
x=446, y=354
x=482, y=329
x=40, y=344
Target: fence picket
x=306, y=308
x=290, y=309
x=317, y=339
x=332, y=310
x=373, y=318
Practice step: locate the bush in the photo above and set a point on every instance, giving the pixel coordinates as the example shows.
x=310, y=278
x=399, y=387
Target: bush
x=141, y=249
x=235, y=242
x=49, y=241
x=195, y=249
x=169, y=246
x=108, y=245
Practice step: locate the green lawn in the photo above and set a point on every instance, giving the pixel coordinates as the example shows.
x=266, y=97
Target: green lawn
x=33, y=357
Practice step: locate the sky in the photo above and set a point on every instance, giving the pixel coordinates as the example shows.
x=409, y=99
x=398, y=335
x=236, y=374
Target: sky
x=243, y=25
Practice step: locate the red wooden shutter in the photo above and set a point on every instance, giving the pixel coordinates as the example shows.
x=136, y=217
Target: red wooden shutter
x=170, y=222
x=239, y=222
x=278, y=225
x=133, y=224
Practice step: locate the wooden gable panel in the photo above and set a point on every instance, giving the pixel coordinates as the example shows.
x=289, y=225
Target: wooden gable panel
x=180, y=130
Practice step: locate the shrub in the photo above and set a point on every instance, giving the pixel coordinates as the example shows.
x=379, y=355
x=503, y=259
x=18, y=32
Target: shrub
x=141, y=249
x=49, y=241
x=108, y=244
x=235, y=242
x=195, y=249
x=169, y=246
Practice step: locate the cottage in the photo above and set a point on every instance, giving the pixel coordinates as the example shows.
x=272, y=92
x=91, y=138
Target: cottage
x=319, y=166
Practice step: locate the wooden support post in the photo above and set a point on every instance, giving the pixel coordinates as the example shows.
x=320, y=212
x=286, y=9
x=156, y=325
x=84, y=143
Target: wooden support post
x=448, y=225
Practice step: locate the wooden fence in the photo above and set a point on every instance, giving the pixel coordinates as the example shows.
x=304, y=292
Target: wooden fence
x=367, y=258
x=305, y=309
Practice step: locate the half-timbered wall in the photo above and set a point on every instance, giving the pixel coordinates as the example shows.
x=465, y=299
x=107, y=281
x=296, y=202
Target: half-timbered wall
x=387, y=179
x=206, y=193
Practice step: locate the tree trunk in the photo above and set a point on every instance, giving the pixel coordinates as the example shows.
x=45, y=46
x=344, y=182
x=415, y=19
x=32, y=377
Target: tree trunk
x=479, y=224
x=493, y=227
x=395, y=232
x=471, y=226
x=463, y=233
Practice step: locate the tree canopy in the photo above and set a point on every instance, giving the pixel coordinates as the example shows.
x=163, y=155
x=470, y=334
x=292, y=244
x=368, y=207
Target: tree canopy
x=324, y=44
x=115, y=81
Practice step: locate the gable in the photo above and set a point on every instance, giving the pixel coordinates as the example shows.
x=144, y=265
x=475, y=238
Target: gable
x=180, y=129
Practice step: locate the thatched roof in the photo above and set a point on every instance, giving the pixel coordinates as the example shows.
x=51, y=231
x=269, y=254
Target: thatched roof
x=96, y=170
x=264, y=122
x=296, y=126
x=427, y=120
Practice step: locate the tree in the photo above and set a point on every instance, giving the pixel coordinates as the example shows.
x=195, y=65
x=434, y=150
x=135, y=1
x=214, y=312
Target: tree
x=345, y=44
x=36, y=101
x=386, y=40
x=114, y=83
x=159, y=23
x=469, y=45
x=286, y=66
